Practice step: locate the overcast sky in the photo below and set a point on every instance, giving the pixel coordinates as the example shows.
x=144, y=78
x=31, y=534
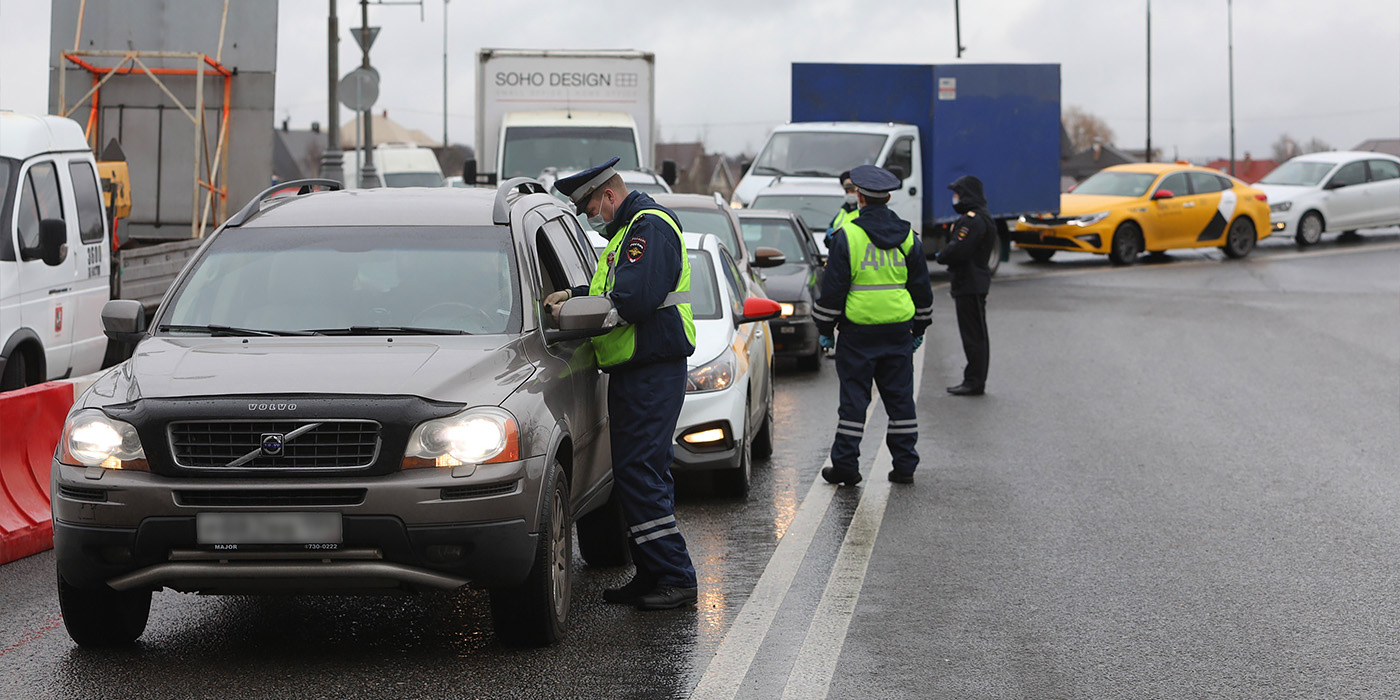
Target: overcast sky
x=1314, y=69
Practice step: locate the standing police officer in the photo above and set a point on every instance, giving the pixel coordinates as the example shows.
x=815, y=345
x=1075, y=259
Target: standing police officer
x=849, y=210
x=966, y=255
x=645, y=272
x=876, y=285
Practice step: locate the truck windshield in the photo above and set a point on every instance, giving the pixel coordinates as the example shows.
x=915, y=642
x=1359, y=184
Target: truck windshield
x=412, y=180
x=816, y=211
x=817, y=153
x=1298, y=172
x=531, y=149
x=285, y=280
x=1117, y=184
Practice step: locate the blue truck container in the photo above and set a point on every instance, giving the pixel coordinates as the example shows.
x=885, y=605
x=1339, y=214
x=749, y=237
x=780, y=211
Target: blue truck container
x=1000, y=122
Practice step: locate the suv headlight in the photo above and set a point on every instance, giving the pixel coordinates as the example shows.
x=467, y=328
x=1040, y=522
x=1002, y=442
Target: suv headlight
x=91, y=439
x=1089, y=219
x=797, y=308
x=1280, y=206
x=475, y=436
x=715, y=375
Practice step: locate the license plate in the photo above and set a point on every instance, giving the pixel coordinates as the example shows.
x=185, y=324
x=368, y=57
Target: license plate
x=787, y=329
x=268, y=528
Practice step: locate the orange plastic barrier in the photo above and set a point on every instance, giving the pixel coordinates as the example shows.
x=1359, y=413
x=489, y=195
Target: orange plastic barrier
x=30, y=422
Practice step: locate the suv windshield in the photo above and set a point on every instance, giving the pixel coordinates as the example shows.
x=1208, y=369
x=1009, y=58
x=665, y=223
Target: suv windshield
x=531, y=149
x=1118, y=184
x=817, y=153
x=774, y=233
x=816, y=211
x=713, y=221
x=1298, y=172
x=279, y=280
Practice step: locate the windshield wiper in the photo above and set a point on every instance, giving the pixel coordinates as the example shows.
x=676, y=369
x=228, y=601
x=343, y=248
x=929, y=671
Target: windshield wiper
x=813, y=173
x=388, y=330
x=769, y=169
x=217, y=330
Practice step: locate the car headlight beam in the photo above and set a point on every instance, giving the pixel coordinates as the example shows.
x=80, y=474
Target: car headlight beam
x=1280, y=206
x=476, y=436
x=715, y=375
x=1089, y=219
x=92, y=439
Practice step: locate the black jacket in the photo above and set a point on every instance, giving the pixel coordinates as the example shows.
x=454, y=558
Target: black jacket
x=886, y=231
x=970, y=240
x=648, y=267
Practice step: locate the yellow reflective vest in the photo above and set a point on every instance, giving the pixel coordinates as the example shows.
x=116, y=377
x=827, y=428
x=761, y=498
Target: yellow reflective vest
x=879, y=276
x=620, y=344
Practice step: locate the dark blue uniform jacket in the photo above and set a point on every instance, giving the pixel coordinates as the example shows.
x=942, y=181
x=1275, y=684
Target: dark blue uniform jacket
x=969, y=242
x=648, y=267
x=886, y=231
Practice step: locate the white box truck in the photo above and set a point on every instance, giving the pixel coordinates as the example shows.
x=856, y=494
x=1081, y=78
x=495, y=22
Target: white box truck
x=546, y=114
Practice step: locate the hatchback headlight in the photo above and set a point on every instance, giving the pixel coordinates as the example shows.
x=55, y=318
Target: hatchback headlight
x=1089, y=219
x=1280, y=206
x=91, y=439
x=715, y=375
x=797, y=308
x=474, y=436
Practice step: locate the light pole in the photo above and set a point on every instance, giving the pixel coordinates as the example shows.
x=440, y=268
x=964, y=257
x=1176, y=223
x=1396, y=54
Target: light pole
x=444, y=73
x=957, y=28
x=369, y=175
x=1147, y=156
x=1230, y=24
x=331, y=159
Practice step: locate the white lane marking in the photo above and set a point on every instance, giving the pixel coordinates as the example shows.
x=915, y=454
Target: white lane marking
x=725, y=675
x=826, y=635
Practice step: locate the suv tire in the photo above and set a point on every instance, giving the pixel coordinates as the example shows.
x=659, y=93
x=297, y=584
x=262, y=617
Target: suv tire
x=536, y=612
x=103, y=617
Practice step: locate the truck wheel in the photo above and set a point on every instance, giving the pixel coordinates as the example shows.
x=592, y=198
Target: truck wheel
x=602, y=535
x=1126, y=245
x=1241, y=238
x=103, y=617
x=1040, y=254
x=536, y=612
x=16, y=373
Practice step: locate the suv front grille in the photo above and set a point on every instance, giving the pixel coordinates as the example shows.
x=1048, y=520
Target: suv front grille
x=304, y=444
x=267, y=498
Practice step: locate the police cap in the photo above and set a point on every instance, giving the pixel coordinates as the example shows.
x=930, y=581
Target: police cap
x=580, y=185
x=873, y=181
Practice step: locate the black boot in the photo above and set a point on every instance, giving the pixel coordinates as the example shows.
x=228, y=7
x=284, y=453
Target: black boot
x=833, y=476
x=899, y=477
x=965, y=390
x=666, y=598
x=628, y=593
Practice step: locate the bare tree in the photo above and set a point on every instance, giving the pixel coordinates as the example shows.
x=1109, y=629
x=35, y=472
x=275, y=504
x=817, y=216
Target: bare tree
x=1086, y=129
x=1316, y=144
x=1286, y=147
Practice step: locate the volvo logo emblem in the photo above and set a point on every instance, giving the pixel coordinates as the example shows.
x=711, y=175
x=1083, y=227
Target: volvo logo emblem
x=272, y=444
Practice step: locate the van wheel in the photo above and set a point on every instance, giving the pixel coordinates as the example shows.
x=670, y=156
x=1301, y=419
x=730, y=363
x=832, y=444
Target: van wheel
x=103, y=617
x=1241, y=238
x=1126, y=245
x=16, y=373
x=536, y=612
x=602, y=535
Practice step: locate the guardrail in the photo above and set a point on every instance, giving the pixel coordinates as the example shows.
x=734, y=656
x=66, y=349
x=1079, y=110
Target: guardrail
x=31, y=420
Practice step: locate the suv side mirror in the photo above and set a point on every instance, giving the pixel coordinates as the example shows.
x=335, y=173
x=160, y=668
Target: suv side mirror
x=124, y=320
x=469, y=172
x=759, y=309
x=668, y=172
x=764, y=256
x=53, y=241
x=584, y=317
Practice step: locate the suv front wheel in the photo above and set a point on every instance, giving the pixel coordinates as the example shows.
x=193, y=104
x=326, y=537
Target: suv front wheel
x=103, y=617
x=536, y=612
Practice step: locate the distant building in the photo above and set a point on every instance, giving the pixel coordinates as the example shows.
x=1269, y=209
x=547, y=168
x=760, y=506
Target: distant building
x=296, y=154
x=1247, y=169
x=1081, y=165
x=698, y=172
x=1391, y=146
x=385, y=130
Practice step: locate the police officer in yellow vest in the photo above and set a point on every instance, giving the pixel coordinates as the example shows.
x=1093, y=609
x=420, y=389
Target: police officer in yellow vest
x=849, y=210
x=876, y=291
x=645, y=272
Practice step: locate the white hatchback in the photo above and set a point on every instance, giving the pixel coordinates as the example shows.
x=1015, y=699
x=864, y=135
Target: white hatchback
x=1333, y=191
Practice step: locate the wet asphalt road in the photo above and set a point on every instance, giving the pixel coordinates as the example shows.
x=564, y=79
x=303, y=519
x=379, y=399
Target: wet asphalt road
x=1181, y=484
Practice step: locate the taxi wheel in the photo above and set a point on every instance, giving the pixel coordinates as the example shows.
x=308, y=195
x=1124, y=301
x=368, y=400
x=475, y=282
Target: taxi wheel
x=1309, y=229
x=536, y=612
x=1126, y=245
x=1241, y=238
x=1040, y=254
x=763, y=441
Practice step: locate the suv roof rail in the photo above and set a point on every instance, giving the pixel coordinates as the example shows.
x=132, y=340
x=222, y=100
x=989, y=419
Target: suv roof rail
x=500, y=211
x=303, y=187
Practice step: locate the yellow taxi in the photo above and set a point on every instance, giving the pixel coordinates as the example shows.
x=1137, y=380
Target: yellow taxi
x=1125, y=210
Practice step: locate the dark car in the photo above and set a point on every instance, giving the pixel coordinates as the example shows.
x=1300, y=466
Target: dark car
x=347, y=392
x=795, y=284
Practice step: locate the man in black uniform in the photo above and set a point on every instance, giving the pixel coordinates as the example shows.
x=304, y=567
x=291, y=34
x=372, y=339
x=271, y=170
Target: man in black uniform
x=876, y=287
x=645, y=272
x=969, y=247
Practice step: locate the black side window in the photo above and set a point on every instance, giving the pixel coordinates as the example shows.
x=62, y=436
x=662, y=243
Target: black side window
x=552, y=277
x=1384, y=170
x=1204, y=183
x=901, y=156
x=566, y=248
x=89, y=201
x=1176, y=183
x=1225, y=183
x=39, y=199
x=1350, y=174
x=737, y=291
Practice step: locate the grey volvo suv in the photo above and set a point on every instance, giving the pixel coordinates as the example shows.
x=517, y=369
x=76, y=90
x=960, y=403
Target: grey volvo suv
x=347, y=391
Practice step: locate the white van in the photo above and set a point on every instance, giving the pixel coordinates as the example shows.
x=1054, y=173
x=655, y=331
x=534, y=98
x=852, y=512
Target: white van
x=54, y=252
x=399, y=165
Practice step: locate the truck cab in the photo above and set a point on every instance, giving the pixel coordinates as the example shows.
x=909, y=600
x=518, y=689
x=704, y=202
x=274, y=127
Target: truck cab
x=55, y=258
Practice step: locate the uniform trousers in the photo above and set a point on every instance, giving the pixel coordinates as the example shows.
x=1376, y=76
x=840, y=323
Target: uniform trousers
x=888, y=359
x=972, y=325
x=643, y=405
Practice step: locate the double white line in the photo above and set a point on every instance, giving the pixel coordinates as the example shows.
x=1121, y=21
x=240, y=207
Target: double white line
x=826, y=634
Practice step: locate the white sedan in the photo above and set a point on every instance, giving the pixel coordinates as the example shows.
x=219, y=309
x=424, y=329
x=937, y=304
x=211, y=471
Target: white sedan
x=1333, y=191
x=728, y=412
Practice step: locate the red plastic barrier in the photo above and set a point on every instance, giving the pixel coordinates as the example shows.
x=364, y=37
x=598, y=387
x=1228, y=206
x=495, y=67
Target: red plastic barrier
x=30, y=422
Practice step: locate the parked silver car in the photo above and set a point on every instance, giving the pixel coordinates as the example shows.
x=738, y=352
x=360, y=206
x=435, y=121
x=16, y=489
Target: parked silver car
x=348, y=391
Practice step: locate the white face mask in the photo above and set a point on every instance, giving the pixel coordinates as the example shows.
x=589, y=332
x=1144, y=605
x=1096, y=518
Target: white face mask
x=851, y=198
x=955, y=198
x=597, y=222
